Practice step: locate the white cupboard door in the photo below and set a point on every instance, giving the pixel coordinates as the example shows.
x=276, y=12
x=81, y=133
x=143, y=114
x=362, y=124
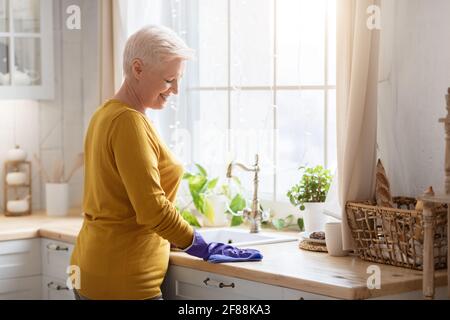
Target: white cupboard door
x=441, y=293
x=26, y=49
x=25, y=288
x=291, y=294
x=20, y=258
x=56, y=258
x=184, y=283
x=56, y=289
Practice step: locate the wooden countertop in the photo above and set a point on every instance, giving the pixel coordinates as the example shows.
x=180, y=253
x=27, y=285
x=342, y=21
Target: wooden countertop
x=284, y=264
x=39, y=224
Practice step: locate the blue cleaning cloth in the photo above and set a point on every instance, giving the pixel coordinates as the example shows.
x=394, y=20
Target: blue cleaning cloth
x=233, y=254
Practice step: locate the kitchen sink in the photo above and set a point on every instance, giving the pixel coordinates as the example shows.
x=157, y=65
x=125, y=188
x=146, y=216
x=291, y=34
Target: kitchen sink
x=240, y=237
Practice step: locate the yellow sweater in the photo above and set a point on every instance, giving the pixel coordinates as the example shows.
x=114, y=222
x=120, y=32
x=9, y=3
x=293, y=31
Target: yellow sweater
x=131, y=181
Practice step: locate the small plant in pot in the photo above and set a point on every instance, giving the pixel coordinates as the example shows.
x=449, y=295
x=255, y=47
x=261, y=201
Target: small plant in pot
x=310, y=194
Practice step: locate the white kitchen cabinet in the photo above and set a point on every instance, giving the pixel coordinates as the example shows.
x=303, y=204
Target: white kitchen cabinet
x=184, y=283
x=55, y=289
x=26, y=49
x=441, y=293
x=55, y=257
x=25, y=288
x=20, y=269
x=55, y=260
x=291, y=294
x=20, y=258
x=34, y=269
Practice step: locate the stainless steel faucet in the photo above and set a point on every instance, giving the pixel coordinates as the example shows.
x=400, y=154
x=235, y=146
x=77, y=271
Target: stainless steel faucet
x=255, y=215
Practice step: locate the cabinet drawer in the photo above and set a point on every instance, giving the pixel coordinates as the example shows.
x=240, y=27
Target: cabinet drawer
x=291, y=294
x=184, y=283
x=55, y=258
x=440, y=293
x=26, y=288
x=55, y=289
x=20, y=258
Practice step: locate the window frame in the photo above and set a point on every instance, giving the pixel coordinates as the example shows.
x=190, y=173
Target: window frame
x=326, y=88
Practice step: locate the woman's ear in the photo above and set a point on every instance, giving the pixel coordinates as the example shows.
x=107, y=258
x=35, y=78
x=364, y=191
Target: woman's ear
x=137, y=68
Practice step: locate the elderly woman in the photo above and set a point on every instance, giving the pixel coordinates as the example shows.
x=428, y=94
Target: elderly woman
x=131, y=182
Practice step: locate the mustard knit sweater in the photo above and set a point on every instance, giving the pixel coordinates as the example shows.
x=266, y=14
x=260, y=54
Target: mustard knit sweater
x=131, y=182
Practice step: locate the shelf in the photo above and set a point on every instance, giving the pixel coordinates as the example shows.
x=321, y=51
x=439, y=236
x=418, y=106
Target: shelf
x=19, y=185
x=16, y=162
x=11, y=192
x=17, y=214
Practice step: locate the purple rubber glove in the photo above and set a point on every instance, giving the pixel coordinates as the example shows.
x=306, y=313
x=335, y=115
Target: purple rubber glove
x=215, y=252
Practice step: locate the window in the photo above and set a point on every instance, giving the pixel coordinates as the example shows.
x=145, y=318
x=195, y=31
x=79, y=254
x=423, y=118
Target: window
x=264, y=82
x=26, y=70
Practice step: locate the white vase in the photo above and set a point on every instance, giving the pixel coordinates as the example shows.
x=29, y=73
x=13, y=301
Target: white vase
x=219, y=203
x=313, y=217
x=16, y=154
x=57, y=199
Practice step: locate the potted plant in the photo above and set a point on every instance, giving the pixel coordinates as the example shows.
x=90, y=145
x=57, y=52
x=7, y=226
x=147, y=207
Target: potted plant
x=209, y=205
x=310, y=194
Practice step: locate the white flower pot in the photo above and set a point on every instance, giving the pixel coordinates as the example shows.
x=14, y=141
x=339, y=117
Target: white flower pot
x=57, y=199
x=220, y=218
x=313, y=217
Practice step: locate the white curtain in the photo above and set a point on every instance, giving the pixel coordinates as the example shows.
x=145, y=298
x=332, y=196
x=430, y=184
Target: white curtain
x=357, y=78
x=118, y=20
x=107, y=65
x=130, y=16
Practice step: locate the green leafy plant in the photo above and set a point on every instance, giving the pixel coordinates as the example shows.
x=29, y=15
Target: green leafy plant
x=313, y=186
x=282, y=223
x=189, y=217
x=236, y=200
x=200, y=187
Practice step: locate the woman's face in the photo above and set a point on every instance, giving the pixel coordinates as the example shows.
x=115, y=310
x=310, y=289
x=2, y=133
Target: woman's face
x=157, y=84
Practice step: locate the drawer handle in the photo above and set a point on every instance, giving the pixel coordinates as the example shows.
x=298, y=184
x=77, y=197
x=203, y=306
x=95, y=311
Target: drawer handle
x=55, y=286
x=222, y=285
x=56, y=247
x=215, y=284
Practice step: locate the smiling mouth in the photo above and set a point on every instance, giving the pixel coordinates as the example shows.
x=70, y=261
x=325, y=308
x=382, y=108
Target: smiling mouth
x=164, y=97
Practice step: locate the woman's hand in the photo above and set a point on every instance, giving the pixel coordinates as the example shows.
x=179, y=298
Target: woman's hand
x=219, y=252
x=174, y=248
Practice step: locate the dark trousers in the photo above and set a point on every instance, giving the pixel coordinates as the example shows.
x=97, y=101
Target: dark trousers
x=80, y=297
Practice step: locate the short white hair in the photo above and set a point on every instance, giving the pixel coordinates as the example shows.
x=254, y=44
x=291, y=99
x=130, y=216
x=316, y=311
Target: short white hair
x=154, y=44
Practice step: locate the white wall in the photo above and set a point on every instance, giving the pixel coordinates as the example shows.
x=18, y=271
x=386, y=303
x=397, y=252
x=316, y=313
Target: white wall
x=55, y=129
x=414, y=77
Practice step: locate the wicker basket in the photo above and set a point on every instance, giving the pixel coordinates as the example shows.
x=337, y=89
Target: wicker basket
x=395, y=235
